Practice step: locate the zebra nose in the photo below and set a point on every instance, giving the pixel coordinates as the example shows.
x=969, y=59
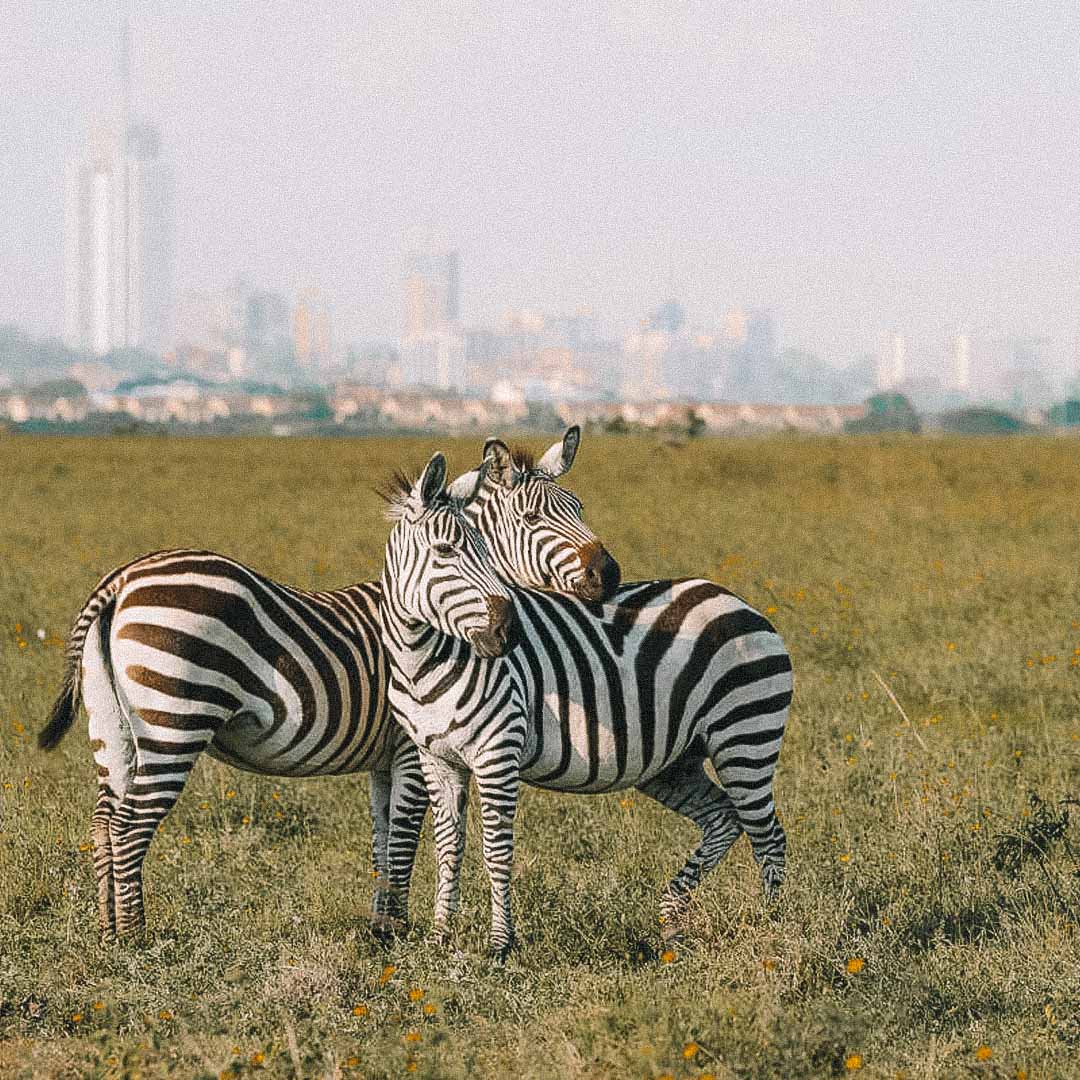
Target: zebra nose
x=602, y=575
x=500, y=618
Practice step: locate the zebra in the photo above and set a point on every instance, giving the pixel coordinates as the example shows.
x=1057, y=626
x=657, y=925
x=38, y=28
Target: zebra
x=638, y=690
x=451, y=613
x=534, y=530
x=184, y=651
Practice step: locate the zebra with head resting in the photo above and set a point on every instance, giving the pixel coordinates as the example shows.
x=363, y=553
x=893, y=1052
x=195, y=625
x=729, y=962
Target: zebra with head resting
x=181, y=652
x=637, y=691
x=534, y=530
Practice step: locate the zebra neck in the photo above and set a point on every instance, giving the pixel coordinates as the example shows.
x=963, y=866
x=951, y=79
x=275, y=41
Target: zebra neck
x=488, y=515
x=411, y=646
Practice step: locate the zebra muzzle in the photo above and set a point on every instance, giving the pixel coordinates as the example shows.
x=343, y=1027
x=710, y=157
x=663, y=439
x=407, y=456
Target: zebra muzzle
x=496, y=638
x=601, y=574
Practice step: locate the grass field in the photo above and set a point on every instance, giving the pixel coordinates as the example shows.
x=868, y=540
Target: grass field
x=929, y=923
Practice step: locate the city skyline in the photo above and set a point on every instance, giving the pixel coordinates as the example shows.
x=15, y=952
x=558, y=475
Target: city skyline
x=607, y=161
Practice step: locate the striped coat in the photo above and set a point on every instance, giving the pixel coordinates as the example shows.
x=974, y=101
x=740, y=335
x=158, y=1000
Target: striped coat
x=181, y=652
x=640, y=691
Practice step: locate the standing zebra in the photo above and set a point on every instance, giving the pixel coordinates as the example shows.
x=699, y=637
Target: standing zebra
x=639, y=691
x=184, y=651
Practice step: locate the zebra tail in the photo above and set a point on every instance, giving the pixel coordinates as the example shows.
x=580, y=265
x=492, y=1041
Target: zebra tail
x=66, y=706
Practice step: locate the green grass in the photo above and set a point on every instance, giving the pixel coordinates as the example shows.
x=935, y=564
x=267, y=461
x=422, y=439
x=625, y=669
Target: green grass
x=949, y=568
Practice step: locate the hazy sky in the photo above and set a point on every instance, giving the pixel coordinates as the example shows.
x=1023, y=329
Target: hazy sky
x=851, y=167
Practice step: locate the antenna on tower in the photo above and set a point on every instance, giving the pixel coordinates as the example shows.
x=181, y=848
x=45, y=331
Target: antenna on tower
x=125, y=157
x=125, y=69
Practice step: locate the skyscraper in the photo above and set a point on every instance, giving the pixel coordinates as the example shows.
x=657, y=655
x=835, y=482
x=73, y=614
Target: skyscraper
x=433, y=346
x=118, y=290
x=312, y=334
x=961, y=363
x=431, y=292
x=892, y=362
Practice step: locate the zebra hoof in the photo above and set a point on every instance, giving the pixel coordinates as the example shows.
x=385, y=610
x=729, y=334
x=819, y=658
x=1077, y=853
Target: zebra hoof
x=639, y=952
x=671, y=931
x=107, y=937
x=500, y=953
x=385, y=928
x=771, y=880
x=674, y=916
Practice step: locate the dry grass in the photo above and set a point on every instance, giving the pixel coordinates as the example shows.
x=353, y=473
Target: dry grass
x=911, y=938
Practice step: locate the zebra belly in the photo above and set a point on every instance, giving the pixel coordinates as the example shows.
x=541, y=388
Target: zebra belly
x=614, y=700
x=182, y=678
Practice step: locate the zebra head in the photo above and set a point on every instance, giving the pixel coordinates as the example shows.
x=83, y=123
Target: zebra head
x=438, y=570
x=533, y=527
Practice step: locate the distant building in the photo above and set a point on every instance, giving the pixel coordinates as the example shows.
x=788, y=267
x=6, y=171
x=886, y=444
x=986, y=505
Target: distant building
x=539, y=357
x=643, y=356
x=749, y=342
x=118, y=289
x=961, y=363
x=892, y=362
x=433, y=345
x=432, y=299
x=312, y=333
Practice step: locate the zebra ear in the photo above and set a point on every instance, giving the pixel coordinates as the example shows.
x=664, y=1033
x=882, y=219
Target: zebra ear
x=500, y=463
x=560, y=457
x=465, y=487
x=432, y=480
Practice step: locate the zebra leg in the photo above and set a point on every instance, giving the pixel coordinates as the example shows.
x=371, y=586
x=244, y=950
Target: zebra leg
x=498, y=804
x=166, y=753
x=685, y=788
x=448, y=788
x=408, y=805
x=748, y=783
x=379, y=793
x=113, y=746
x=103, y=870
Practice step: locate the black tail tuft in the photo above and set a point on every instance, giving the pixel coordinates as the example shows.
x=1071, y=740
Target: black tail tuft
x=63, y=713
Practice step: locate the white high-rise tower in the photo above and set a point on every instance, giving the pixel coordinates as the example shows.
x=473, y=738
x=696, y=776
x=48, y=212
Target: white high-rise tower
x=892, y=362
x=961, y=362
x=118, y=289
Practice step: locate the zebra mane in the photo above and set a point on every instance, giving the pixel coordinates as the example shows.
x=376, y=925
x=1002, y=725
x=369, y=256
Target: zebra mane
x=395, y=491
x=524, y=460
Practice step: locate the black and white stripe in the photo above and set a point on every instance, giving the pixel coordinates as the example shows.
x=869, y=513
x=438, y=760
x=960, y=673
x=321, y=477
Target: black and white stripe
x=184, y=651
x=639, y=691
x=451, y=615
x=534, y=529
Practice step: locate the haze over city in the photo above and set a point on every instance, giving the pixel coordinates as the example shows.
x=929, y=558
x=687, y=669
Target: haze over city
x=860, y=175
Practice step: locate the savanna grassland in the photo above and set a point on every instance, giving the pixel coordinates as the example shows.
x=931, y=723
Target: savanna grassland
x=929, y=923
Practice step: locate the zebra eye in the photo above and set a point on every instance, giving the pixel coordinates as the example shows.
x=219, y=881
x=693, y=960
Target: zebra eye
x=531, y=517
x=444, y=551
